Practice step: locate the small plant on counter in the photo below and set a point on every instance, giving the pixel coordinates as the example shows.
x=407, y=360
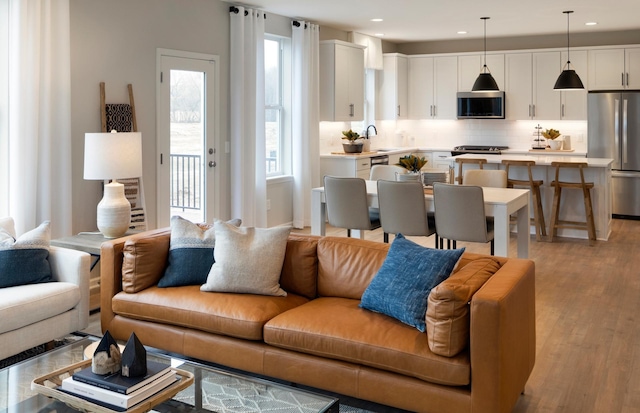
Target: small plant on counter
x=551, y=133
x=412, y=163
x=350, y=135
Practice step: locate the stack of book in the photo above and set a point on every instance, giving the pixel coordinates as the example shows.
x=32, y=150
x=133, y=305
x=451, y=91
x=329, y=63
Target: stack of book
x=117, y=392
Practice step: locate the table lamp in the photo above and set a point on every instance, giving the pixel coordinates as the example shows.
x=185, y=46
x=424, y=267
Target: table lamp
x=112, y=156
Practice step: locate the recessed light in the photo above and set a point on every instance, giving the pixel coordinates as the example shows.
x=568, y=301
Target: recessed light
x=590, y=23
x=462, y=32
x=377, y=20
x=379, y=34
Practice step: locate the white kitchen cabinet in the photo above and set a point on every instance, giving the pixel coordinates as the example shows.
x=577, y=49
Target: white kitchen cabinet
x=350, y=167
x=614, y=68
x=433, y=83
x=391, y=84
x=529, y=81
x=394, y=158
x=573, y=104
x=341, y=81
x=440, y=160
x=470, y=66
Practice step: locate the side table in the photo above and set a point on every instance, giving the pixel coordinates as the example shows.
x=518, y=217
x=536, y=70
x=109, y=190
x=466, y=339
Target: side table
x=88, y=242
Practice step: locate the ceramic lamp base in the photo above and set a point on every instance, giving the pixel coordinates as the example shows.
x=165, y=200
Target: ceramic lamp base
x=114, y=211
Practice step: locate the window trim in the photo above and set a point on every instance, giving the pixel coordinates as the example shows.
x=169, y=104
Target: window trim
x=284, y=107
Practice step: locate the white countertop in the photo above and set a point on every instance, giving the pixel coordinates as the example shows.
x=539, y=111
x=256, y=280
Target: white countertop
x=541, y=159
x=371, y=153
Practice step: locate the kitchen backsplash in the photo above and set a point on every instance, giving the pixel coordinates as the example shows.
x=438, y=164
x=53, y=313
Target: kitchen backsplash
x=445, y=134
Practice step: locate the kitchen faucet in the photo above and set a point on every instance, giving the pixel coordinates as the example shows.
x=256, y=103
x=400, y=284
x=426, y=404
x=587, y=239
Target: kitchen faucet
x=366, y=131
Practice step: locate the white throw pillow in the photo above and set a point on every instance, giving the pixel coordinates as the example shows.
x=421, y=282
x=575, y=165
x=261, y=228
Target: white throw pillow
x=8, y=226
x=247, y=260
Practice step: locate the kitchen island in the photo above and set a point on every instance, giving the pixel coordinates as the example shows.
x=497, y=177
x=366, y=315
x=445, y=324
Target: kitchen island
x=598, y=171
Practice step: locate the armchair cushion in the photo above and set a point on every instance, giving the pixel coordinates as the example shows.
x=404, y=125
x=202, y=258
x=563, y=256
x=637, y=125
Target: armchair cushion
x=24, y=260
x=401, y=286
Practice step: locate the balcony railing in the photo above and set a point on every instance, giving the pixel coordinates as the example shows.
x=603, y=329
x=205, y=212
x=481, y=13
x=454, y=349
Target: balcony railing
x=186, y=188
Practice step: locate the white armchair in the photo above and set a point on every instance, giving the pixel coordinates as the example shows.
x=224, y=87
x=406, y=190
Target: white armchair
x=35, y=314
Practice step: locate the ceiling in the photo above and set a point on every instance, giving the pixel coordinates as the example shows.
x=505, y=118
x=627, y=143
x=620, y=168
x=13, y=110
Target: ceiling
x=430, y=20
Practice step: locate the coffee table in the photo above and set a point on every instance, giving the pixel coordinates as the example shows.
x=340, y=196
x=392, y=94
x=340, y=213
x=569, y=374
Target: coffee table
x=214, y=389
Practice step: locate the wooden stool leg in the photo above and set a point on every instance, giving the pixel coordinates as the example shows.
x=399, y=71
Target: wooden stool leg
x=541, y=228
x=591, y=226
x=555, y=210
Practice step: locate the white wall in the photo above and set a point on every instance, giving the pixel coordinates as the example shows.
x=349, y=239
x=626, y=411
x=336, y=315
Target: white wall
x=115, y=42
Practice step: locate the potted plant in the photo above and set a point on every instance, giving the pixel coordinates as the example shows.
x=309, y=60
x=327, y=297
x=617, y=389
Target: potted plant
x=413, y=164
x=551, y=135
x=352, y=145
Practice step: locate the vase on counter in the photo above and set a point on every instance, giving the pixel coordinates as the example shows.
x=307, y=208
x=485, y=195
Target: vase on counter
x=555, y=144
x=366, y=145
x=353, y=147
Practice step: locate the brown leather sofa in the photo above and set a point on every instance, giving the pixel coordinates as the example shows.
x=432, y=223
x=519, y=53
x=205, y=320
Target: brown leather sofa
x=318, y=336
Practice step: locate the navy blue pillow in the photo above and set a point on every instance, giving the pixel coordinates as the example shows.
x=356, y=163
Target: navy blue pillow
x=401, y=287
x=25, y=260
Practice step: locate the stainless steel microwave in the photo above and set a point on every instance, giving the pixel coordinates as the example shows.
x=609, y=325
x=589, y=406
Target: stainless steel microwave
x=481, y=105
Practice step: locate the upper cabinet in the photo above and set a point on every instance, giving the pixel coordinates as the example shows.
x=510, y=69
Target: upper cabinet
x=470, y=66
x=574, y=102
x=391, y=83
x=433, y=83
x=341, y=81
x=614, y=69
x=529, y=81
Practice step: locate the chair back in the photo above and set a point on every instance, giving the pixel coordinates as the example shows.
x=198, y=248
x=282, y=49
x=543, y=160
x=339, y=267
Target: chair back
x=573, y=165
x=473, y=161
x=386, y=172
x=486, y=177
x=346, y=201
x=402, y=208
x=460, y=213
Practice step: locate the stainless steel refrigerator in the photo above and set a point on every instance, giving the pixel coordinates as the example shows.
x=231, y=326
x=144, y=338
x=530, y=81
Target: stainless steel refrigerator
x=614, y=132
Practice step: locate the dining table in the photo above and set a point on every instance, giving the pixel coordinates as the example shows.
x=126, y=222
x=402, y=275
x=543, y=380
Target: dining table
x=499, y=203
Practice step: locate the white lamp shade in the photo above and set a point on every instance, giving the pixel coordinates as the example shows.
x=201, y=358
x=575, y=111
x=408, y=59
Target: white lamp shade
x=112, y=155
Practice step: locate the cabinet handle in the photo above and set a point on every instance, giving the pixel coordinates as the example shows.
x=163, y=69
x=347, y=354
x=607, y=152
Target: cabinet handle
x=627, y=78
x=398, y=110
x=529, y=109
x=533, y=107
x=435, y=111
x=431, y=110
x=622, y=78
x=351, y=109
x=563, y=110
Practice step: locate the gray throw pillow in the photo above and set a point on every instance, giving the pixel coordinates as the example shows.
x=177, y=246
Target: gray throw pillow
x=247, y=260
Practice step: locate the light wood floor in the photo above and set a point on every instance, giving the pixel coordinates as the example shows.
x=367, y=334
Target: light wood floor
x=588, y=322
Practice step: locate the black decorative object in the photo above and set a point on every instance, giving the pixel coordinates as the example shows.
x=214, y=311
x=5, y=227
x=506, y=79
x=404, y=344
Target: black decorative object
x=485, y=82
x=107, y=357
x=134, y=358
x=568, y=79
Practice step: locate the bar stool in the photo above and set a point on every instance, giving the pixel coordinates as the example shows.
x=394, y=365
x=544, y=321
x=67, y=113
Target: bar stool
x=534, y=185
x=586, y=187
x=472, y=161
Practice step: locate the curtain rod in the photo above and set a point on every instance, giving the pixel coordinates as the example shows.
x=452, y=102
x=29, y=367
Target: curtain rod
x=234, y=9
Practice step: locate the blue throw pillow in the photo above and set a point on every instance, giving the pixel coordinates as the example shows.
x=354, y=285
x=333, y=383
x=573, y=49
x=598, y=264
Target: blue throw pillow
x=25, y=260
x=190, y=253
x=401, y=287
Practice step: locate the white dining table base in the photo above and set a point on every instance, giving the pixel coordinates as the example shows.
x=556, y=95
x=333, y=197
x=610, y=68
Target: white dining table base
x=500, y=203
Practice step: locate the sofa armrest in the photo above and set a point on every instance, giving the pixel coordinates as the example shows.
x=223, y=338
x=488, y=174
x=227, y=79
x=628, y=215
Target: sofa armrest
x=111, y=259
x=503, y=337
x=73, y=266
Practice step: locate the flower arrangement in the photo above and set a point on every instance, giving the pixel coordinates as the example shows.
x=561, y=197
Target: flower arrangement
x=551, y=133
x=412, y=163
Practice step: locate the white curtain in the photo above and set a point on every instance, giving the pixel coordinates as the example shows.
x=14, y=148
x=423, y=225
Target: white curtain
x=247, y=129
x=39, y=115
x=306, y=119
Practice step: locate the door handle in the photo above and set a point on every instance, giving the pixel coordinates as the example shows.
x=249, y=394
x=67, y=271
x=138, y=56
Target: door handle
x=212, y=164
x=624, y=131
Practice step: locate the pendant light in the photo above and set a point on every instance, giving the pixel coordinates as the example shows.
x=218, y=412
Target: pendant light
x=568, y=79
x=485, y=82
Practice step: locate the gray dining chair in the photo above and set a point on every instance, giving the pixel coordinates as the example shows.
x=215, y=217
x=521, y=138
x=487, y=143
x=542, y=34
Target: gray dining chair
x=386, y=172
x=495, y=178
x=403, y=209
x=460, y=216
x=347, y=206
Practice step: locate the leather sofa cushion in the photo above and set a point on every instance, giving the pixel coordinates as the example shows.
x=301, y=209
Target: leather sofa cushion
x=346, y=266
x=448, y=306
x=337, y=328
x=236, y=315
x=145, y=259
x=300, y=266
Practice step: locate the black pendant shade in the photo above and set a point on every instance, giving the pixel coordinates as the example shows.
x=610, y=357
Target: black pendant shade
x=485, y=82
x=568, y=79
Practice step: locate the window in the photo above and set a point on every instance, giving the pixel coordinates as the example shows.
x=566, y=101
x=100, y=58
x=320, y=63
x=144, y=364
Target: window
x=276, y=104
